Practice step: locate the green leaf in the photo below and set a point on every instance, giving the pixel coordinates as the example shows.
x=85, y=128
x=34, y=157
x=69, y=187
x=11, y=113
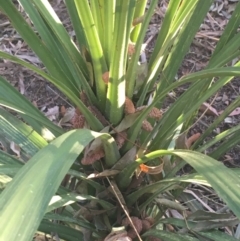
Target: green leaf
x=200, y=225
x=55, y=36
x=169, y=236
x=72, y=11
x=69, y=198
x=229, y=31
x=9, y=160
x=38, y=180
x=229, y=143
x=64, y=232
x=95, y=48
x=218, y=236
x=21, y=134
x=182, y=109
x=67, y=219
x=132, y=70
x=83, y=177
x=51, y=42
x=9, y=170
x=34, y=42
x=184, y=40
x=179, y=107
x=209, y=130
x=112, y=154
x=11, y=98
x=4, y=180
x=116, y=86
x=214, y=172
x=108, y=23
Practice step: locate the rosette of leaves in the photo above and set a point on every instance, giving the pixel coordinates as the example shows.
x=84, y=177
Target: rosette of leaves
x=113, y=176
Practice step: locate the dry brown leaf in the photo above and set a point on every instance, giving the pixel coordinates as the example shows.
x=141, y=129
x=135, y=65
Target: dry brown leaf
x=208, y=109
x=52, y=113
x=15, y=148
x=234, y=112
x=126, y=159
x=68, y=114
x=192, y=139
x=40, y=238
x=118, y=236
x=31, y=59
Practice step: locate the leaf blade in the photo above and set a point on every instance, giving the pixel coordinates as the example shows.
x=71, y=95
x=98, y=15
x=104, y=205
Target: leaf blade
x=38, y=189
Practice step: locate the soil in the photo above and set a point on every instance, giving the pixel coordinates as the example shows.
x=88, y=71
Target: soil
x=45, y=96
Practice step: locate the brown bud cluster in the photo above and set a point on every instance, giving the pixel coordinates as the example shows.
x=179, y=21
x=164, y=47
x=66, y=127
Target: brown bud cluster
x=155, y=113
x=92, y=157
x=120, y=139
x=129, y=106
x=137, y=224
x=78, y=120
x=147, y=126
x=84, y=98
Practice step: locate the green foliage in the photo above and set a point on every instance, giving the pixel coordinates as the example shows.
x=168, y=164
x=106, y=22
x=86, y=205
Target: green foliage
x=82, y=183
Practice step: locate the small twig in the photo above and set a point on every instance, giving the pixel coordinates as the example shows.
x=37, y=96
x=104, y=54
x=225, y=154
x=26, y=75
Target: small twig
x=206, y=36
x=122, y=206
x=58, y=95
x=202, y=115
x=4, y=24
